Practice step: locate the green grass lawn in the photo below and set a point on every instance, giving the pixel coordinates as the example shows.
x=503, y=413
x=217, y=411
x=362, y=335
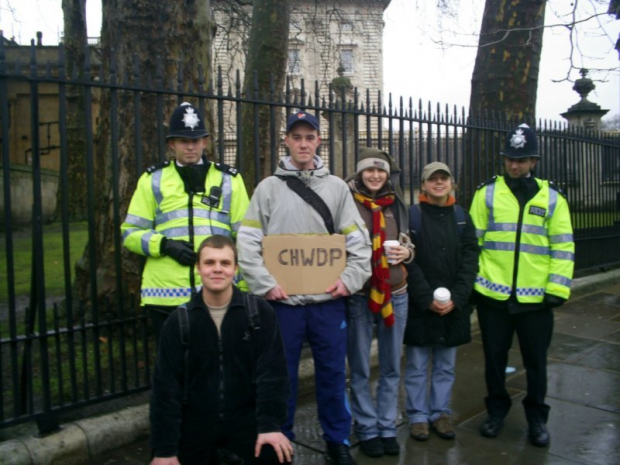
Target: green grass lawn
x=594, y=219
x=53, y=261
x=72, y=352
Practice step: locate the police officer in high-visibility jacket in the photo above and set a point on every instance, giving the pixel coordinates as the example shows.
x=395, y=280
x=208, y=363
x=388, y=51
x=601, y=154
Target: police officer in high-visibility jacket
x=524, y=230
x=177, y=204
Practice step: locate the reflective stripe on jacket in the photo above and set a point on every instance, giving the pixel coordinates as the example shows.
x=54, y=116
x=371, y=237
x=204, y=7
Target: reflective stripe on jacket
x=161, y=207
x=540, y=235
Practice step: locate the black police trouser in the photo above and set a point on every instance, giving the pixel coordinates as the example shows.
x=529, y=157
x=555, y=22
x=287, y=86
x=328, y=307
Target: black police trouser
x=534, y=330
x=223, y=442
x=158, y=314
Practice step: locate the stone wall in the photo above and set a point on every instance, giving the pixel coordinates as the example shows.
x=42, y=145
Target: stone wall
x=22, y=196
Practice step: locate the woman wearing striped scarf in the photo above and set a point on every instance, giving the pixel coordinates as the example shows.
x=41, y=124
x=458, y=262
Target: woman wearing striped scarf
x=383, y=302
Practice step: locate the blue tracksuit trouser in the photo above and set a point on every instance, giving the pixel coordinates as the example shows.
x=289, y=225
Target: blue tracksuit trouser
x=324, y=326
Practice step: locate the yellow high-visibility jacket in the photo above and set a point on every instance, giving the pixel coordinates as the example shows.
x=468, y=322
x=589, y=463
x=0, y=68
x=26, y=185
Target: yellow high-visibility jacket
x=160, y=207
x=537, y=240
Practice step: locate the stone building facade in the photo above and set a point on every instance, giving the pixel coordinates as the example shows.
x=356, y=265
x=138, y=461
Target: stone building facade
x=20, y=137
x=324, y=35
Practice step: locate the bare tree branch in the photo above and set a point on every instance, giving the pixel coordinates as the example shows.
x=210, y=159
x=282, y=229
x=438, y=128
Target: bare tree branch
x=507, y=32
x=582, y=20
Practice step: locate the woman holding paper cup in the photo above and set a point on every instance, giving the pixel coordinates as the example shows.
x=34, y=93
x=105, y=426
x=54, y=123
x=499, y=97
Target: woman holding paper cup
x=382, y=302
x=440, y=282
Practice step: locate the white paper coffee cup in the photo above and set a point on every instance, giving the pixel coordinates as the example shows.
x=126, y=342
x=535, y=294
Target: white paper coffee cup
x=442, y=295
x=387, y=245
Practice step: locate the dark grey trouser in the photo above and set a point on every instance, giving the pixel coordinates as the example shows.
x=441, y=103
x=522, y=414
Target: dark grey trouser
x=534, y=330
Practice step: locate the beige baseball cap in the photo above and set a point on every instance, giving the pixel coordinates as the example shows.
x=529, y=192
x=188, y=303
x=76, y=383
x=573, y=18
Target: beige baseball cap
x=432, y=168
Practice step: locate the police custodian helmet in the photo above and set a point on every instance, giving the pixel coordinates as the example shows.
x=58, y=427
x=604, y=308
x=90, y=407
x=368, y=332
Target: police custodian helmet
x=187, y=122
x=521, y=143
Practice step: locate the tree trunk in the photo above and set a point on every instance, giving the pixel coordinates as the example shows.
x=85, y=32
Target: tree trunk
x=75, y=42
x=180, y=32
x=505, y=77
x=267, y=55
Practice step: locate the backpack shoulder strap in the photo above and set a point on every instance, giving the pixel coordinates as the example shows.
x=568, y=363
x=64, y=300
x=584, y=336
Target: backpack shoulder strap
x=459, y=216
x=184, y=331
x=251, y=333
x=415, y=222
x=251, y=307
x=312, y=198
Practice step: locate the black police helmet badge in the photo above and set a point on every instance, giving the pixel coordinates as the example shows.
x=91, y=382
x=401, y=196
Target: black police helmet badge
x=521, y=142
x=187, y=122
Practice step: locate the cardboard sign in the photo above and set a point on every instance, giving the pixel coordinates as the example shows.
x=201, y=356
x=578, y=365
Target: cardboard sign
x=305, y=264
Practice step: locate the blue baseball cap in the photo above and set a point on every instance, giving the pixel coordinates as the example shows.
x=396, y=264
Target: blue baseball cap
x=301, y=117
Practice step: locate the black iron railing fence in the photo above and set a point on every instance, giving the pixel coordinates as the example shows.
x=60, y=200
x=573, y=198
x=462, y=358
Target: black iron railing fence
x=55, y=358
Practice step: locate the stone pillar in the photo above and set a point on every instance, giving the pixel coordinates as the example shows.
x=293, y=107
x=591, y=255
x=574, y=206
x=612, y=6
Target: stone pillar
x=584, y=114
x=587, y=116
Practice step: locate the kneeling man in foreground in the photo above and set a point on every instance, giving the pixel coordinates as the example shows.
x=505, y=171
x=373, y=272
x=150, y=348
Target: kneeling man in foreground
x=220, y=388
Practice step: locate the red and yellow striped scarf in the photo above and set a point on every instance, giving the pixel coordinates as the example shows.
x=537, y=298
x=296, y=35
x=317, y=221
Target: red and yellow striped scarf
x=381, y=291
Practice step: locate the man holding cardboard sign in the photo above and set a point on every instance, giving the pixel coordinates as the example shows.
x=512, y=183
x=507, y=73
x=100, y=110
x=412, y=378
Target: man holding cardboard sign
x=304, y=200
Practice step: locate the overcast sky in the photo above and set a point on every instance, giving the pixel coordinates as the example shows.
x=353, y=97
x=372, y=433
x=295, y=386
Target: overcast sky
x=415, y=64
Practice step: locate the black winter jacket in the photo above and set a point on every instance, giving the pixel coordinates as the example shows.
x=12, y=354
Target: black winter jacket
x=443, y=259
x=252, y=374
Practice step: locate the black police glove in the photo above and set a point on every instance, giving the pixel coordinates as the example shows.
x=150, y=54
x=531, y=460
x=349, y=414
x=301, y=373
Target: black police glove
x=181, y=251
x=553, y=301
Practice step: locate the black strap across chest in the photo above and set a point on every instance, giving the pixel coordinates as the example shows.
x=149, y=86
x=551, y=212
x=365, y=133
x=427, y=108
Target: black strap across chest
x=312, y=198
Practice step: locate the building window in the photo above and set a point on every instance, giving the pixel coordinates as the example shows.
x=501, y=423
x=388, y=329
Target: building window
x=347, y=27
x=346, y=60
x=294, y=61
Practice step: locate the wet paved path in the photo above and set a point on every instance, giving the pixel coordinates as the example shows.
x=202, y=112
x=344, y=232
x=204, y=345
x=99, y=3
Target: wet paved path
x=584, y=395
